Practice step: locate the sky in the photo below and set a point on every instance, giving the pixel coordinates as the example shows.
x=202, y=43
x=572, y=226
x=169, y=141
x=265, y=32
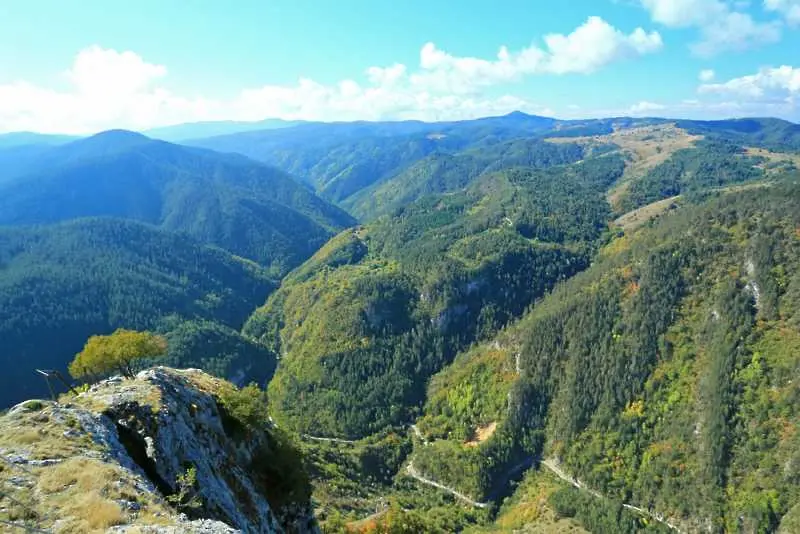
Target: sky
x=69, y=66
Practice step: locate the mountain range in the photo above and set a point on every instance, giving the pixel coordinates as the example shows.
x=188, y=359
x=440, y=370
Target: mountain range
x=513, y=323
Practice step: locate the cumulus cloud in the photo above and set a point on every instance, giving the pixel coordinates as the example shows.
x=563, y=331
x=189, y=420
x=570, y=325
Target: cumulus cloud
x=770, y=92
x=790, y=9
x=588, y=48
x=708, y=107
x=771, y=83
x=644, y=108
x=109, y=88
x=596, y=44
x=721, y=27
x=706, y=75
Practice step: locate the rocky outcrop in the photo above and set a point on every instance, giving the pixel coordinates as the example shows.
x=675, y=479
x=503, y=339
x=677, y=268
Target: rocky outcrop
x=158, y=453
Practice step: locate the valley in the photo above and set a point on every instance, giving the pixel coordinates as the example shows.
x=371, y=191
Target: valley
x=512, y=323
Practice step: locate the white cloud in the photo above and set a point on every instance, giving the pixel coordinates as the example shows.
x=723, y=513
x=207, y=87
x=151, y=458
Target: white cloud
x=721, y=27
x=706, y=75
x=595, y=44
x=386, y=76
x=788, y=8
x=685, y=13
x=107, y=88
x=770, y=84
x=112, y=89
x=97, y=71
x=588, y=48
x=706, y=108
x=772, y=91
x=644, y=108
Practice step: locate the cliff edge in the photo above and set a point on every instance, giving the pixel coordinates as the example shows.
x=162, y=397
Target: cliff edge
x=171, y=451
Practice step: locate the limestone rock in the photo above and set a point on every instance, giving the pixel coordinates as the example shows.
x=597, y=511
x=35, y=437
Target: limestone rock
x=108, y=459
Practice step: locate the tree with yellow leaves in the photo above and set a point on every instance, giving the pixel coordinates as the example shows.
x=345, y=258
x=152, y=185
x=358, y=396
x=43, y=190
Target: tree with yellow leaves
x=117, y=352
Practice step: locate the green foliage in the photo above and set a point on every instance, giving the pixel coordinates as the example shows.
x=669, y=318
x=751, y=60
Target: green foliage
x=341, y=159
x=660, y=372
x=280, y=473
x=463, y=468
x=354, y=478
x=708, y=164
x=344, y=161
x=444, y=172
x=63, y=283
x=470, y=393
x=119, y=352
x=245, y=409
x=277, y=465
x=395, y=521
x=368, y=319
x=601, y=516
x=186, y=498
x=217, y=349
x=773, y=134
x=247, y=208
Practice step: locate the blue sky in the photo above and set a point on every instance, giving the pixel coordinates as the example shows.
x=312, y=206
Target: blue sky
x=79, y=67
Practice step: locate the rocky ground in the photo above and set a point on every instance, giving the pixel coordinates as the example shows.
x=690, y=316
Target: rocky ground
x=150, y=454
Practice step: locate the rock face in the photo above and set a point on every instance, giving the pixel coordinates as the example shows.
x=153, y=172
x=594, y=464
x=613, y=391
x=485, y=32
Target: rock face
x=129, y=445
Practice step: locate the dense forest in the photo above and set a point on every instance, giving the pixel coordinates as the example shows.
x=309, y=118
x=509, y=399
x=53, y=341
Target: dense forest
x=664, y=370
x=229, y=201
x=62, y=283
x=442, y=172
x=342, y=159
x=461, y=303
x=376, y=311
x=709, y=164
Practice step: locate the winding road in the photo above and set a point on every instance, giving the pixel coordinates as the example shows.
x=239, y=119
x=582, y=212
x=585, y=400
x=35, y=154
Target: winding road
x=553, y=467
x=329, y=440
x=412, y=471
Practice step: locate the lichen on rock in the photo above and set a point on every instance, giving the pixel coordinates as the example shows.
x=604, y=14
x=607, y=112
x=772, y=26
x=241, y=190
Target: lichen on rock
x=113, y=457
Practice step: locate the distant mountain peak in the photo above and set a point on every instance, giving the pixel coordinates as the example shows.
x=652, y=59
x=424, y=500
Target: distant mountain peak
x=519, y=115
x=119, y=136
x=110, y=141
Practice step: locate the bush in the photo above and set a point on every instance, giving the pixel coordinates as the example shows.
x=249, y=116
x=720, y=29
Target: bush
x=118, y=352
x=245, y=409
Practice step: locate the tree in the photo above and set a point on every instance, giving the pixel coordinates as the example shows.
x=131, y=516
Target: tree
x=103, y=355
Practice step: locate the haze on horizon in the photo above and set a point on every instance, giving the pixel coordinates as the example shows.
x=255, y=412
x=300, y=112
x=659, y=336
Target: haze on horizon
x=91, y=67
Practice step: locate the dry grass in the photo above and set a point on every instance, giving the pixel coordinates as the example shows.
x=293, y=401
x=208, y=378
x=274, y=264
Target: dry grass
x=39, y=437
x=83, y=473
x=86, y=492
x=773, y=157
x=153, y=516
x=644, y=147
x=482, y=433
x=26, y=437
x=92, y=513
x=636, y=218
x=80, y=492
x=203, y=382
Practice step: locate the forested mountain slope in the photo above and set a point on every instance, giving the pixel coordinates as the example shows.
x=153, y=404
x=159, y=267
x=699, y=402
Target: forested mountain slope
x=442, y=172
x=769, y=133
x=194, y=130
x=667, y=369
x=60, y=284
x=370, y=168
x=365, y=321
x=609, y=299
x=18, y=139
x=247, y=208
x=341, y=159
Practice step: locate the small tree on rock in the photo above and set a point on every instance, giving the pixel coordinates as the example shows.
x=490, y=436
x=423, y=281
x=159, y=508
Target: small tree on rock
x=117, y=352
